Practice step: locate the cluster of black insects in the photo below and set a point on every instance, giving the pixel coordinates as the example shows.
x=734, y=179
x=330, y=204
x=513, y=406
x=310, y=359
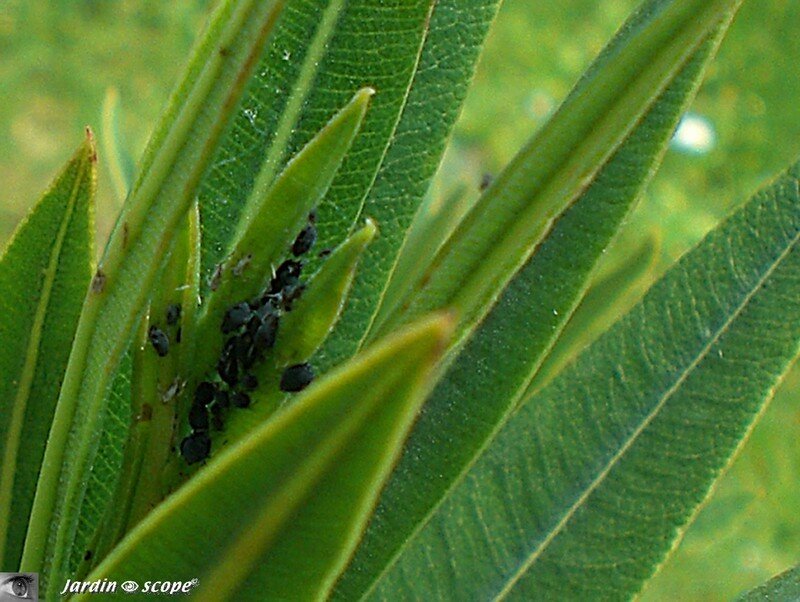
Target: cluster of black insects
x=251, y=328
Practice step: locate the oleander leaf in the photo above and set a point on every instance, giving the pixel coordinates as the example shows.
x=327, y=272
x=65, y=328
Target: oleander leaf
x=498, y=363
x=609, y=296
x=419, y=56
x=301, y=331
x=44, y=273
x=270, y=220
x=319, y=464
x=591, y=482
x=179, y=153
x=781, y=588
x=556, y=166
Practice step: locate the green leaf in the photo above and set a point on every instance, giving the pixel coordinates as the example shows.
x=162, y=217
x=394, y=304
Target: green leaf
x=609, y=296
x=177, y=157
x=781, y=588
x=437, y=217
x=107, y=471
x=44, y=273
x=320, y=465
x=128, y=477
x=322, y=53
x=554, y=169
x=302, y=330
x=498, y=363
x=587, y=487
x=272, y=217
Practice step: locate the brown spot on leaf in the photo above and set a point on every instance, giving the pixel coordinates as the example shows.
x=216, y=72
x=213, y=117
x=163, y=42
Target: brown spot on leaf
x=98, y=282
x=146, y=414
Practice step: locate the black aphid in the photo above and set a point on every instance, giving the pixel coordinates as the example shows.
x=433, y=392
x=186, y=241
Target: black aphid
x=236, y=317
x=304, y=241
x=222, y=400
x=198, y=417
x=264, y=337
x=312, y=217
x=296, y=378
x=269, y=304
x=287, y=274
x=196, y=447
x=324, y=252
x=246, y=353
x=240, y=400
x=244, y=342
x=249, y=382
x=173, y=314
x=159, y=340
x=486, y=181
x=178, y=335
x=205, y=393
x=88, y=555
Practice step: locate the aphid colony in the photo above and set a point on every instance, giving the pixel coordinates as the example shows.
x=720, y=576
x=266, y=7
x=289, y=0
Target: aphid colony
x=251, y=328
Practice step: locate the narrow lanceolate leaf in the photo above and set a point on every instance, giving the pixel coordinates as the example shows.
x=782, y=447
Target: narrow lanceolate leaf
x=178, y=155
x=781, y=588
x=587, y=487
x=107, y=470
x=560, y=162
x=420, y=57
x=128, y=475
x=320, y=464
x=273, y=215
x=44, y=272
x=437, y=217
x=497, y=364
x=609, y=297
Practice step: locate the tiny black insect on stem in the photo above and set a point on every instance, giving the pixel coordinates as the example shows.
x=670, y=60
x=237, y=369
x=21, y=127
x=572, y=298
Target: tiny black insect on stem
x=173, y=314
x=196, y=447
x=159, y=340
x=296, y=378
x=304, y=241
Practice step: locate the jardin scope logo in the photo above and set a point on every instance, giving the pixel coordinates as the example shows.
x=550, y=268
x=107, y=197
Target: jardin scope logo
x=104, y=586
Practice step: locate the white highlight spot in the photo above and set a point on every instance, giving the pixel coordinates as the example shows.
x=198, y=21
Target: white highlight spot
x=694, y=135
x=251, y=115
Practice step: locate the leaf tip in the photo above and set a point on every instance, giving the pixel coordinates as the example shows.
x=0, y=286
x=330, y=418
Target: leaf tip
x=362, y=98
x=91, y=146
x=440, y=326
x=370, y=230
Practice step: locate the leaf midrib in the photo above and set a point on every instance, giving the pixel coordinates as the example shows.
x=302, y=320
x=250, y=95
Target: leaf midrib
x=305, y=78
x=20, y=405
x=632, y=439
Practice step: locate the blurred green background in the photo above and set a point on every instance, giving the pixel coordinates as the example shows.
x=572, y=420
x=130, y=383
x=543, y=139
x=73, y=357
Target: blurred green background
x=58, y=59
